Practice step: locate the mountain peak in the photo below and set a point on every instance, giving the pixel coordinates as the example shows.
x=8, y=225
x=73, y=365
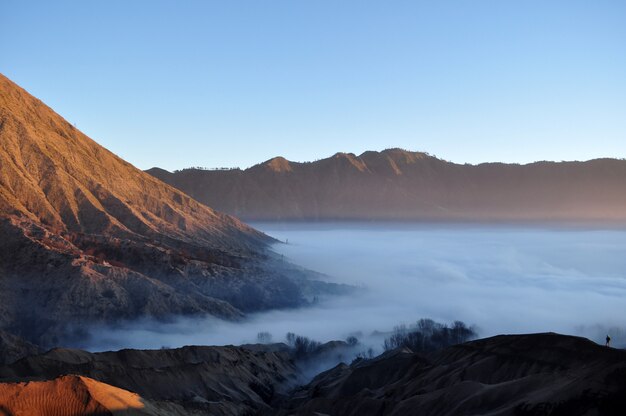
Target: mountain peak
x=404, y=156
x=343, y=155
x=351, y=159
x=278, y=164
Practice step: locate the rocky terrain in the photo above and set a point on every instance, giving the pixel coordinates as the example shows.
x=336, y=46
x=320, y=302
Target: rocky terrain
x=214, y=380
x=400, y=185
x=537, y=374
x=87, y=237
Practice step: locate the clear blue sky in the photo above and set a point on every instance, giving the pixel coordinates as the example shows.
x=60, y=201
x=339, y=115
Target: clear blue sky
x=233, y=83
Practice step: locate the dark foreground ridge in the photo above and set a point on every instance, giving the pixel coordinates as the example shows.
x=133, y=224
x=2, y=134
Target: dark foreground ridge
x=537, y=374
x=397, y=185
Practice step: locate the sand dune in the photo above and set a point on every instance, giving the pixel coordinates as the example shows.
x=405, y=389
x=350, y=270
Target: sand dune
x=72, y=396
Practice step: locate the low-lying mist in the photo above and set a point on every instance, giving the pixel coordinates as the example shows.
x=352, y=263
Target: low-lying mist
x=502, y=279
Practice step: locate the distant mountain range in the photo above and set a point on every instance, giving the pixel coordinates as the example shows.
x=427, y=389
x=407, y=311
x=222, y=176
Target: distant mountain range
x=87, y=237
x=396, y=184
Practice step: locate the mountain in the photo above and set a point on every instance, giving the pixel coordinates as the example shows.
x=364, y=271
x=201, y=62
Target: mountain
x=534, y=374
x=396, y=184
x=87, y=237
x=517, y=375
x=52, y=174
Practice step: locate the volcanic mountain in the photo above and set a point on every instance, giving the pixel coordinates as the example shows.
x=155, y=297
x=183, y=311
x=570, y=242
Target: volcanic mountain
x=396, y=184
x=86, y=236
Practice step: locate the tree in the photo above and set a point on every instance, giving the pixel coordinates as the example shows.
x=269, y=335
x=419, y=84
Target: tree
x=428, y=335
x=352, y=340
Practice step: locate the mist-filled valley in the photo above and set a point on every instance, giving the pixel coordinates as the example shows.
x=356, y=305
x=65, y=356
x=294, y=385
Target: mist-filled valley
x=500, y=279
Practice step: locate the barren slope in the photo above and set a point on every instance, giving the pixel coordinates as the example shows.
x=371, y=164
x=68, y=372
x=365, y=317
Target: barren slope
x=538, y=374
x=86, y=237
x=215, y=380
x=53, y=174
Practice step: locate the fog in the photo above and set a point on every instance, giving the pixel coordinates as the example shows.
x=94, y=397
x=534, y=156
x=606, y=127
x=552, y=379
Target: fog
x=503, y=279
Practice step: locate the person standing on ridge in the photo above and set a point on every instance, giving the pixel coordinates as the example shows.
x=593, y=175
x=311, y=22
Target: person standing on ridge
x=608, y=340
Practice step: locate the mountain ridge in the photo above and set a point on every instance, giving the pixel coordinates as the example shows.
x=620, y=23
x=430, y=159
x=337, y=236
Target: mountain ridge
x=50, y=169
x=523, y=374
x=396, y=184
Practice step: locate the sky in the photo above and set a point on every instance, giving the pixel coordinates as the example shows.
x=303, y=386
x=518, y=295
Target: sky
x=233, y=83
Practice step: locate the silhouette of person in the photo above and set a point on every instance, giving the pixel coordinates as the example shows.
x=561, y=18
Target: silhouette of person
x=608, y=341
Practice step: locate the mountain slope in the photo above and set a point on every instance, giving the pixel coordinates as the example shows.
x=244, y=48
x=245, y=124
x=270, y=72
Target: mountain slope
x=87, y=237
x=213, y=380
x=399, y=185
x=537, y=374
x=53, y=174
x=534, y=374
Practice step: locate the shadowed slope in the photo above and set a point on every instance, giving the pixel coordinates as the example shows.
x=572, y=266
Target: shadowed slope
x=538, y=374
x=215, y=380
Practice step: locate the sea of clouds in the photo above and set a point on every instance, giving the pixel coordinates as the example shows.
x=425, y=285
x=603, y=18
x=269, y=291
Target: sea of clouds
x=502, y=279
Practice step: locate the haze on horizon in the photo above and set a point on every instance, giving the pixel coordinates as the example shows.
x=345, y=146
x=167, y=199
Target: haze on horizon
x=233, y=84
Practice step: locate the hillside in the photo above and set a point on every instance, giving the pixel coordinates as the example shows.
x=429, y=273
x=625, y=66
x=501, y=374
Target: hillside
x=216, y=380
x=87, y=237
x=535, y=374
x=54, y=175
x=400, y=185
